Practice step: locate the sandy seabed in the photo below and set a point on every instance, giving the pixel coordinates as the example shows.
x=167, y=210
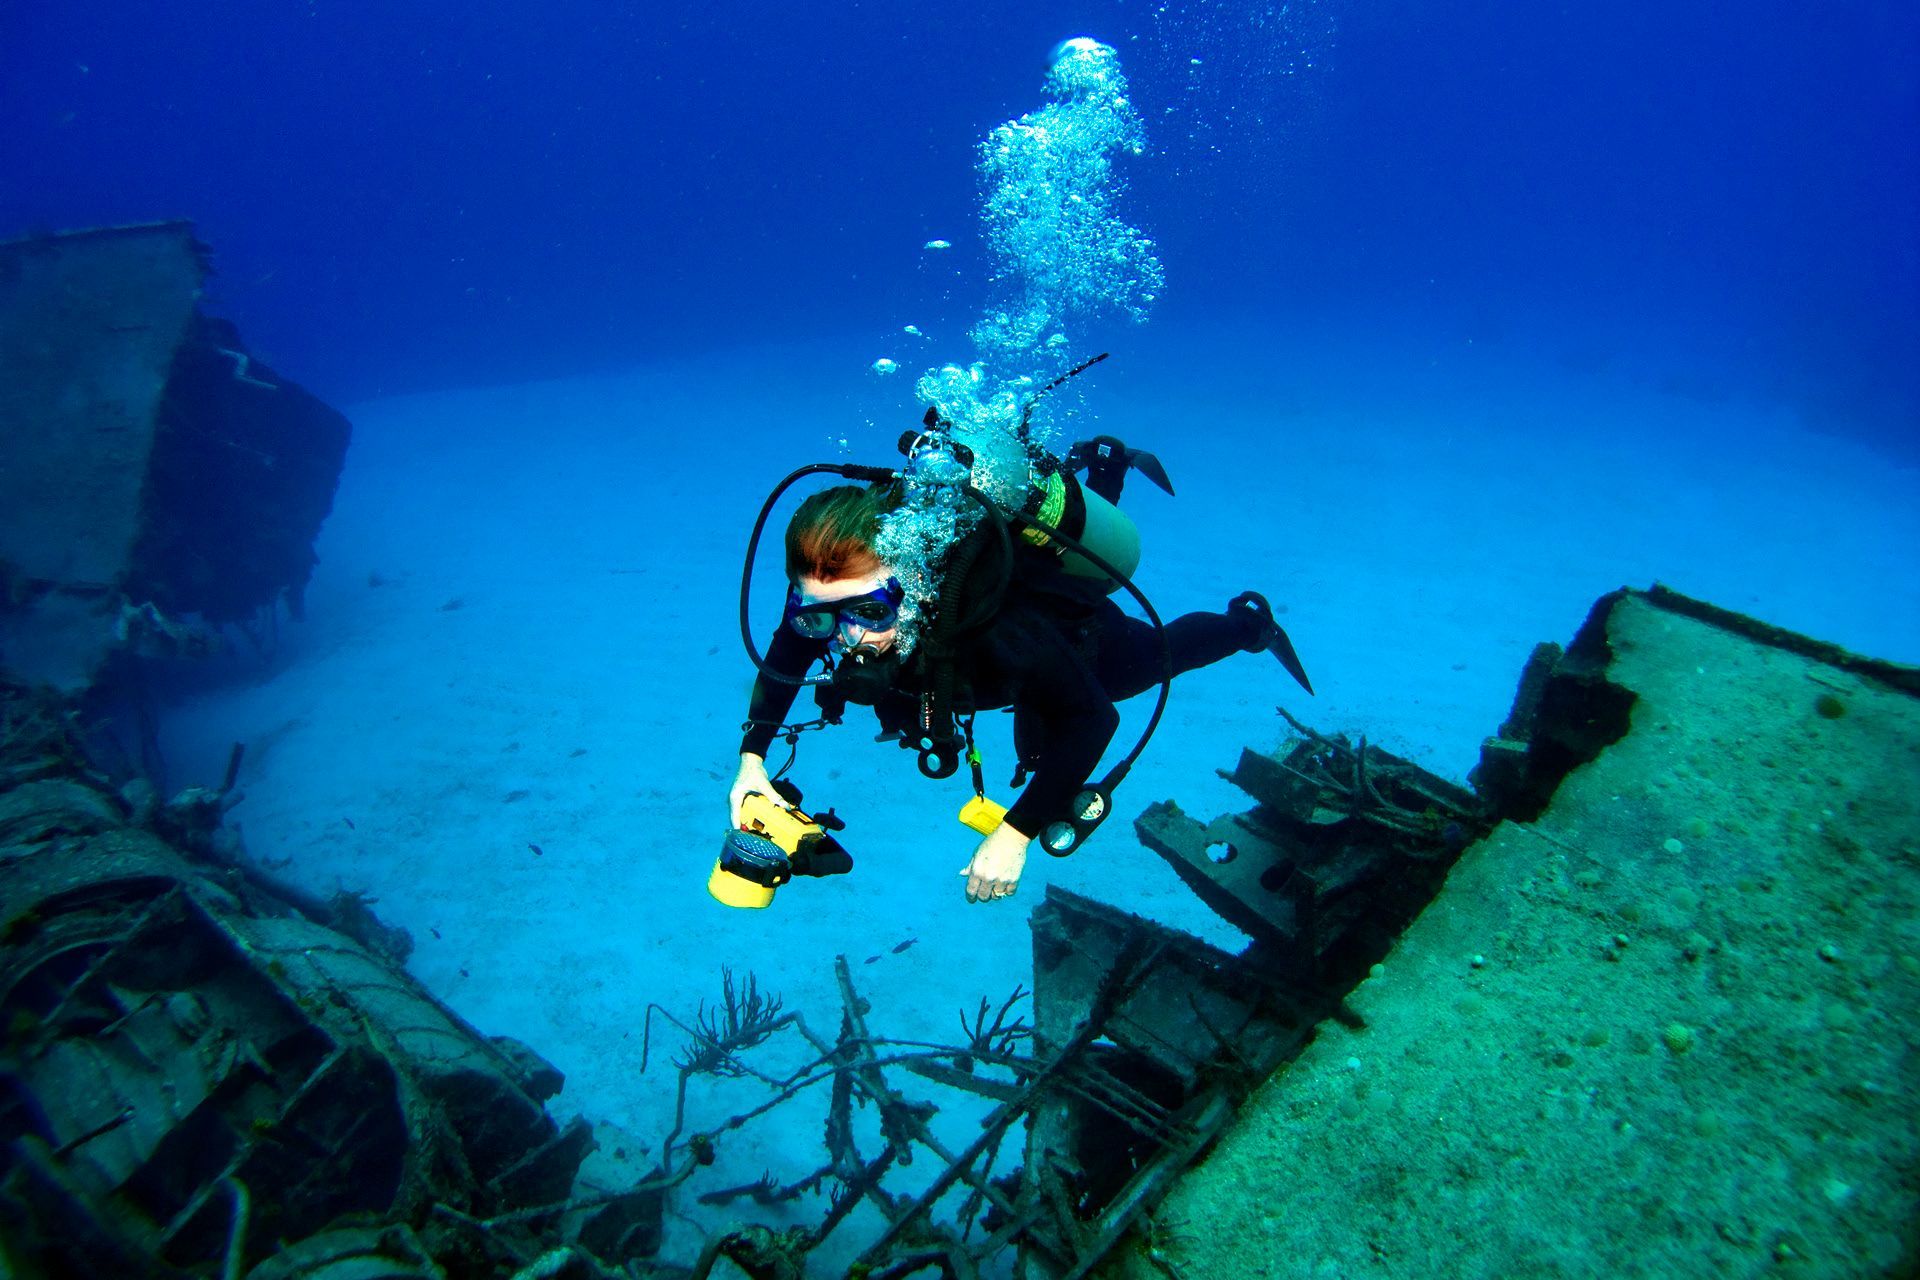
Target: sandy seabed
x=514, y=705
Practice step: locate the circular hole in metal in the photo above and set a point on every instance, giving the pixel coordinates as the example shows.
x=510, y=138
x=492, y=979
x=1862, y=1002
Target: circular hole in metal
x=1220, y=853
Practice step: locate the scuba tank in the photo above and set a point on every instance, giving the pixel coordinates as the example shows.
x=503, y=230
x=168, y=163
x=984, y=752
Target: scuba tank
x=1064, y=504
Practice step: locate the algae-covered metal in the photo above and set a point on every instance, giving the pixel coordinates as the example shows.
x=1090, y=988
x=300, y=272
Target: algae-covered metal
x=198, y=1076
x=157, y=480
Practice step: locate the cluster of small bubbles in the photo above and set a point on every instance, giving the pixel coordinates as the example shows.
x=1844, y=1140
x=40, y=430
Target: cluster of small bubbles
x=1061, y=254
x=1011, y=332
x=914, y=538
x=884, y=366
x=1059, y=248
x=936, y=512
x=986, y=418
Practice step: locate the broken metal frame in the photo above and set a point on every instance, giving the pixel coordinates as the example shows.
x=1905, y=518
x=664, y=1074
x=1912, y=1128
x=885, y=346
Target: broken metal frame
x=854, y=1066
x=1345, y=842
x=1120, y=986
x=1349, y=780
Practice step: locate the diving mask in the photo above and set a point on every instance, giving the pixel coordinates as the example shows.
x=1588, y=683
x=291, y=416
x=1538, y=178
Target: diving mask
x=872, y=611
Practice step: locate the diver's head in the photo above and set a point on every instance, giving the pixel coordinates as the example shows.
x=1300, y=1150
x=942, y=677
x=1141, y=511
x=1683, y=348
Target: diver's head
x=831, y=561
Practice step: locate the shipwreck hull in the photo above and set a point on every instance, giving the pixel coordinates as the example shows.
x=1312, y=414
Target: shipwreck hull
x=157, y=480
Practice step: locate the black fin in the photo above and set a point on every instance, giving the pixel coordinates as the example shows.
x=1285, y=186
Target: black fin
x=1270, y=635
x=1107, y=459
x=1282, y=648
x=1149, y=466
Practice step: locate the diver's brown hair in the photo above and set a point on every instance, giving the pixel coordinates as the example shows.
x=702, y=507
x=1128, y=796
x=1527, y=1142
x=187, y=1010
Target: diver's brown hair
x=832, y=535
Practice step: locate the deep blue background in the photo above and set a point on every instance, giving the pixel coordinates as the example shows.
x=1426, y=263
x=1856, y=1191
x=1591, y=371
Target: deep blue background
x=418, y=194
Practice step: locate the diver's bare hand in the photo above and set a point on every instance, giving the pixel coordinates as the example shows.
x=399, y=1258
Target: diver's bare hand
x=751, y=776
x=994, y=871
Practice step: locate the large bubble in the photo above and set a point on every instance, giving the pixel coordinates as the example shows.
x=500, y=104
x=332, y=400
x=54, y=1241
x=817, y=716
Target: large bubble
x=1061, y=252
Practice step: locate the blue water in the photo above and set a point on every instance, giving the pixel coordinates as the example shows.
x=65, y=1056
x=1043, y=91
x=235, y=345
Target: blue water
x=415, y=195
x=1472, y=313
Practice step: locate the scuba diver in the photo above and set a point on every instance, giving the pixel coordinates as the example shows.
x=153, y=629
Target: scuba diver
x=1022, y=621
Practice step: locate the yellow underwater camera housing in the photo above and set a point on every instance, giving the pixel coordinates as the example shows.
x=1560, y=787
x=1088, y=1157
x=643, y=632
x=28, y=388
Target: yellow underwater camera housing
x=775, y=841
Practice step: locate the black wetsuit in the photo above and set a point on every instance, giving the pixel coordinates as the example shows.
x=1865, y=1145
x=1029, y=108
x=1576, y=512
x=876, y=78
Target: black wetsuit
x=1058, y=652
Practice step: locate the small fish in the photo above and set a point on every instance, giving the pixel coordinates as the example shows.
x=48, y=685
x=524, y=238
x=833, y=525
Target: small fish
x=349, y=822
x=537, y=850
x=465, y=974
x=902, y=946
x=435, y=932
x=873, y=959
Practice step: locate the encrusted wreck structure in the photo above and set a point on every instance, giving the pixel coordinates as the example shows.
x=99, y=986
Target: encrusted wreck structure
x=157, y=480
x=1662, y=1020
x=204, y=1073
x=1641, y=1001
